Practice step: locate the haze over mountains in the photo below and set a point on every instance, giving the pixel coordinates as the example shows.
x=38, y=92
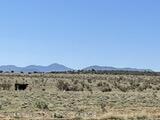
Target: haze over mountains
x=61, y=68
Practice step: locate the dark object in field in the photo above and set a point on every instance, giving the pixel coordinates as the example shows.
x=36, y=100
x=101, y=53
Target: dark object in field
x=21, y=86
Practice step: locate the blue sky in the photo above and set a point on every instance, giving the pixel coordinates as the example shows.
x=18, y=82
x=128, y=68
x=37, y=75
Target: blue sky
x=79, y=33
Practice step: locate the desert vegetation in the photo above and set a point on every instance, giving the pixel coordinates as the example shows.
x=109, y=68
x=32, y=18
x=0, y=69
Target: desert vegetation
x=79, y=96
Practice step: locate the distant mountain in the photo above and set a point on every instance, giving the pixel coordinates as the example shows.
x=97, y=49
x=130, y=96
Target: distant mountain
x=57, y=67
x=53, y=67
x=106, y=68
x=10, y=68
x=61, y=68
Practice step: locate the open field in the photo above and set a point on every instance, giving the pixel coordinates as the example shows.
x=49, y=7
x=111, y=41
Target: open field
x=80, y=96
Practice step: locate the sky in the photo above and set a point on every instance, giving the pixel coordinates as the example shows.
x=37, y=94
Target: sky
x=80, y=33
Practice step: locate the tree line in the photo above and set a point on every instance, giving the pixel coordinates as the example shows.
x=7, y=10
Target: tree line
x=107, y=72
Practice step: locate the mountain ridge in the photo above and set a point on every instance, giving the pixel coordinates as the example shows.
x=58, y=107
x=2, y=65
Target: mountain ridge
x=55, y=67
x=109, y=68
x=38, y=68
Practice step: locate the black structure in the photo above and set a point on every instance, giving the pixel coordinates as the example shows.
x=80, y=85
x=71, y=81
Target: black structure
x=21, y=86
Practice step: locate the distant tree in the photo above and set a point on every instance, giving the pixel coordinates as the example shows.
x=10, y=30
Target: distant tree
x=35, y=72
x=1, y=71
x=12, y=71
x=93, y=71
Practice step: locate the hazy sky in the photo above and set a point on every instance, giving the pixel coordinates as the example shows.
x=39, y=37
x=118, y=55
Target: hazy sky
x=78, y=33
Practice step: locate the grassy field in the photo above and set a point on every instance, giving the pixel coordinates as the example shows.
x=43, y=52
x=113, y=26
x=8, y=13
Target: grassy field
x=80, y=96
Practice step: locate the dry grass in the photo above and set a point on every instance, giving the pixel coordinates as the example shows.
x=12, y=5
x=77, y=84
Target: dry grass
x=80, y=96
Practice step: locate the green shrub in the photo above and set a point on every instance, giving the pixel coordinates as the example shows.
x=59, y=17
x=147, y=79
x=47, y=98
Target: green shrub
x=100, y=84
x=104, y=87
x=123, y=88
x=0, y=106
x=142, y=117
x=41, y=105
x=58, y=115
x=144, y=86
x=5, y=86
x=103, y=106
x=89, y=80
x=65, y=86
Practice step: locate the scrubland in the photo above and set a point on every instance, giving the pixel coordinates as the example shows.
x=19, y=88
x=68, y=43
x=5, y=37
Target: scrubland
x=80, y=96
